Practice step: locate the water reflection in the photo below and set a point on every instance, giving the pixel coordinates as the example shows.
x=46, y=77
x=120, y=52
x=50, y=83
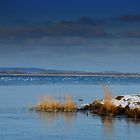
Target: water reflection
x=52, y=117
x=130, y=121
x=108, y=123
x=109, y=126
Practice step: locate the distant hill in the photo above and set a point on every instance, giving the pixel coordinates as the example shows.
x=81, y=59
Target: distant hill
x=20, y=70
x=24, y=70
x=34, y=70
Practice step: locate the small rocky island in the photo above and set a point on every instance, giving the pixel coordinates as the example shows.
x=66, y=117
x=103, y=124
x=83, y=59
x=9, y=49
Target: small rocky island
x=126, y=105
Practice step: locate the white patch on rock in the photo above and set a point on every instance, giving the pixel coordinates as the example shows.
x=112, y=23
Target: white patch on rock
x=132, y=101
x=84, y=105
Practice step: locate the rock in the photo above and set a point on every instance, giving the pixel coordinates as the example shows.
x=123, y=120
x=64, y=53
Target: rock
x=85, y=106
x=81, y=100
x=119, y=97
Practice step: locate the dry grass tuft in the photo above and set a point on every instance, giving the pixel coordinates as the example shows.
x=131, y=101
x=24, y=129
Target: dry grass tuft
x=107, y=96
x=45, y=104
x=51, y=104
x=54, y=105
x=69, y=104
x=108, y=108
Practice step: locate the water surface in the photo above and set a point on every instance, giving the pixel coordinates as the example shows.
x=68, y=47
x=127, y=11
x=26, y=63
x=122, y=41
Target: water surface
x=18, y=123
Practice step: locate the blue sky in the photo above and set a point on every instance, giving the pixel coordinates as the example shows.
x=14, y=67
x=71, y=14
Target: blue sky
x=90, y=35
x=46, y=10
x=54, y=9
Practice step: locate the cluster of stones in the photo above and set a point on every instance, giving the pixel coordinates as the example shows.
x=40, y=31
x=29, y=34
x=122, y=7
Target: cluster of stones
x=128, y=105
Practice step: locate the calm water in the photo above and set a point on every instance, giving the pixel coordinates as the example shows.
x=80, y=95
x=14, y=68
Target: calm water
x=17, y=123
x=49, y=80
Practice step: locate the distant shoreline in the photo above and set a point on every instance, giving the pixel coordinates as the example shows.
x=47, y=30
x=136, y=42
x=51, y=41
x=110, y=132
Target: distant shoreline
x=19, y=71
x=70, y=74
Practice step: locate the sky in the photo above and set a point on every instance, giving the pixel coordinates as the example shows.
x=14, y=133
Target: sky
x=86, y=35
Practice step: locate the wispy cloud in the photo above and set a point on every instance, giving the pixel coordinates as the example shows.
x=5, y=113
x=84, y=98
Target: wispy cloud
x=80, y=31
x=64, y=30
x=130, y=18
x=133, y=33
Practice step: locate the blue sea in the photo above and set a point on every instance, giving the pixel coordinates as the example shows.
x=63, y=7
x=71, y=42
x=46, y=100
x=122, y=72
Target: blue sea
x=75, y=80
x=18, y=123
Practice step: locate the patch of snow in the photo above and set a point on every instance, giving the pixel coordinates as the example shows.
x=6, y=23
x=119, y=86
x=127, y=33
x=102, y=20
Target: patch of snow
x=84, y=105
x=132, y=101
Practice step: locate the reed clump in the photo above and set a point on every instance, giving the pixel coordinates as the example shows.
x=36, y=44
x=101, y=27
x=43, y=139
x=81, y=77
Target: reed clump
x=45, y=104
x=50, y=104
x=69, y=104
x=54, y=105
x=108, y=108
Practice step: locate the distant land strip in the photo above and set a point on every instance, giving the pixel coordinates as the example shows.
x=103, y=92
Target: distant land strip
x=73, y=74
